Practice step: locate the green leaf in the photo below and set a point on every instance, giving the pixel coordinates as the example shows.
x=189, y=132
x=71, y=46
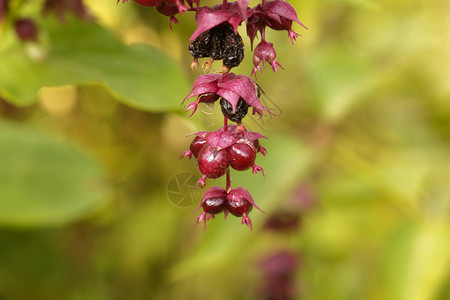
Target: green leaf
x=44, y=182
x=417, y=260
x=85, y=53
x=339, y=78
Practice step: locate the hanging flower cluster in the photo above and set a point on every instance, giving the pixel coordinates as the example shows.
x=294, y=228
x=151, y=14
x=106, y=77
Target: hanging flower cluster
x=217, y=38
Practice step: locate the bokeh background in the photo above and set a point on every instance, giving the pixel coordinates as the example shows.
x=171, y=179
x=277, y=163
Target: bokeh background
x=94, y=203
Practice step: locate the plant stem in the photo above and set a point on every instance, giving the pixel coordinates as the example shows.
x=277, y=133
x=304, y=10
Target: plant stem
x=225, y=123
x=224, y=4
x=228, y=187
x=263, y=34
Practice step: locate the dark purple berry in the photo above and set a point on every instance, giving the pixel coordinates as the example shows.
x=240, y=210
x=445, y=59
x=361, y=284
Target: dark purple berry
x=227, y=110
x=239, y=207
x=201, y=46
x=213, y=163
x=214, y=205
x=219, y=42
x=242, y=156
x=231, y=47
x=197, y=145
x=26, y=29
x=208, y=98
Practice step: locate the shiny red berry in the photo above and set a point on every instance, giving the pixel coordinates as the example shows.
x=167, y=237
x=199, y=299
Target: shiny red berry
x=214, y=205
x=213, y=163
x=197, y=145
x=213, y=201
x=242, y=156
x=240, y=203
x=239, y=207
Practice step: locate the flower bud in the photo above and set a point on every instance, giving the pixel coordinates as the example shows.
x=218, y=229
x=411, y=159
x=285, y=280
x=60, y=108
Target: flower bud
x=266, y=53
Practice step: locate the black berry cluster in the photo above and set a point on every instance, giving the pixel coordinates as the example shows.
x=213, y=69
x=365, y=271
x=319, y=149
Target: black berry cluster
x=218, y=43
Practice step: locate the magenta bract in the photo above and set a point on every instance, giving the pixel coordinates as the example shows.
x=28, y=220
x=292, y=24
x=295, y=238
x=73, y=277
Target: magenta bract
x=277, y=15
x=222, y=138
x=209, y=17
x=231, y=87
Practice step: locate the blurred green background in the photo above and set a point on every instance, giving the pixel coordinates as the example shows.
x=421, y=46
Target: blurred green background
x=357, y=186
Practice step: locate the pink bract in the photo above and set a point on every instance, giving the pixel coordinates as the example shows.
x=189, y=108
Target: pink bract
x=209, y=17
x=231, y=87
x=222, y=138
x=277, y=15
